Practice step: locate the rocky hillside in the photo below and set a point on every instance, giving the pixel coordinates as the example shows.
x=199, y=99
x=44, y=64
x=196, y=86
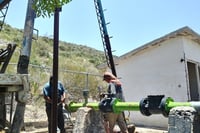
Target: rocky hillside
x=77, y=63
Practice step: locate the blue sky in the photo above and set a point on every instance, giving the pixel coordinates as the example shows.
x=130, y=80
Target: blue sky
x=132, y=22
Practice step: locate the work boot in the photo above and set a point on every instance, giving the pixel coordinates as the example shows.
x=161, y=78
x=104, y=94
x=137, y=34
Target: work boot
x=131, y=128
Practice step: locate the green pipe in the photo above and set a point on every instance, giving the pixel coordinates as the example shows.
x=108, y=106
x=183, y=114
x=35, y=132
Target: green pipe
x=169, y=104
x=122, y=106
x=177, y=104
x=147, y=108
x=117, y=106
x=73, y=107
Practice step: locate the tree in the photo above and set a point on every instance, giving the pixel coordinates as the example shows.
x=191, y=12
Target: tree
x=46, y=8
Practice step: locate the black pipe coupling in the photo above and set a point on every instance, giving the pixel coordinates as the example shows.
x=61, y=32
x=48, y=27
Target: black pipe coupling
x=106, y=104
x=153, y=104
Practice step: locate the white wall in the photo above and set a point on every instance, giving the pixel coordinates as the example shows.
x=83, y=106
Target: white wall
x=154, y=71
x=192, y=50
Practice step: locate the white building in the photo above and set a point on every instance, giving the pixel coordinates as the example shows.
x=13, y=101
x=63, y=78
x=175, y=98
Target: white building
x=167, y=66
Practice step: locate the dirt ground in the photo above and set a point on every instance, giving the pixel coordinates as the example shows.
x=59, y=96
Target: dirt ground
x=148, y=130
x=45, y=130
x=138, y=130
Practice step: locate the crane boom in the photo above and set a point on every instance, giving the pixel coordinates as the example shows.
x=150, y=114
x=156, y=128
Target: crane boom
x=105, y=37
x=107, y=47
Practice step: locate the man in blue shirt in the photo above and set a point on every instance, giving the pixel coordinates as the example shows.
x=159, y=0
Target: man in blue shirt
x=47, y=92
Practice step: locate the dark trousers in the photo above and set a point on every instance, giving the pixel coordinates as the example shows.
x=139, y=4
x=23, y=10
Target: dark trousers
x=61, y=123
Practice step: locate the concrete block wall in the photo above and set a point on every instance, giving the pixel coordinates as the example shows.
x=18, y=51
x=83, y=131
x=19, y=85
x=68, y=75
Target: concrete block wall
x=89, y=121
x=183, y=120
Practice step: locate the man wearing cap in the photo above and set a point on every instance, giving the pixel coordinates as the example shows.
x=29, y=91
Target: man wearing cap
x=115, y=88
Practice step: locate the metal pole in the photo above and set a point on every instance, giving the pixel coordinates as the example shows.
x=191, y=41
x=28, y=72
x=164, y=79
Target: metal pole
x=23, y=63
x=55, y=72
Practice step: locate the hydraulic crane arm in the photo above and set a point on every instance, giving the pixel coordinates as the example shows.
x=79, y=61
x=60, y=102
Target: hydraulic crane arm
x=3, y=3
x=106, y=43
x=105, y=36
